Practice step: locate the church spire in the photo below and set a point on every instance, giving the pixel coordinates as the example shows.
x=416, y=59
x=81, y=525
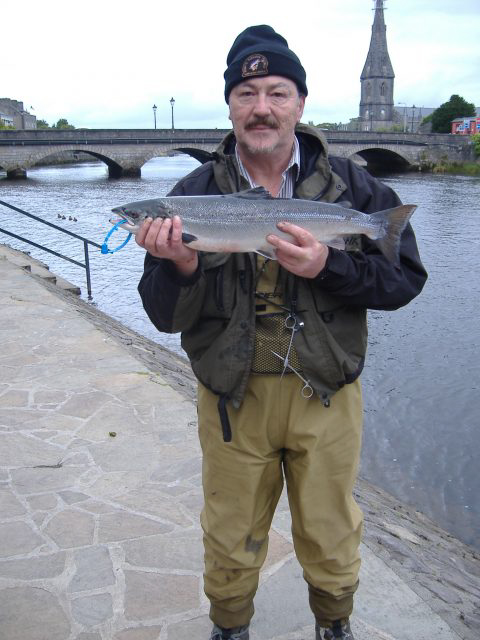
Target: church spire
x=376, y=103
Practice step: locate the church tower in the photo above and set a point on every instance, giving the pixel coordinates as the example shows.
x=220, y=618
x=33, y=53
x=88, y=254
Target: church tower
x=376, y=102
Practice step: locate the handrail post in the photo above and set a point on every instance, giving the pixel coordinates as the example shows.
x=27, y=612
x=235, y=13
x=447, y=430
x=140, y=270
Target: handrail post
x=87, y=268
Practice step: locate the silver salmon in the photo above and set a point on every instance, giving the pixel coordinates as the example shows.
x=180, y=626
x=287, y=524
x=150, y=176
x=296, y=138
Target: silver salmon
x=239, y=222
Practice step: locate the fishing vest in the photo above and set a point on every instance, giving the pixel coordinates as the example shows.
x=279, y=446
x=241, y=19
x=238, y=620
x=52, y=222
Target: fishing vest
x=330, y=348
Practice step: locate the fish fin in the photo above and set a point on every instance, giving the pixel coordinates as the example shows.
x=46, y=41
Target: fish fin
x=188, y=237
x=336, y=243
x=252, y=194
x=267, y=253
x=393, y=222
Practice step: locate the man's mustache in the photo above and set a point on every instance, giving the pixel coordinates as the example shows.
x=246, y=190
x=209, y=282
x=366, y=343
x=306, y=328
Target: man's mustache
x=266, y=122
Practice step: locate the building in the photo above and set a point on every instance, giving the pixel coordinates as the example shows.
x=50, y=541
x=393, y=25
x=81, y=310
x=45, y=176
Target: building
x=409, y=119
x=13, y=113
x=6, y=120
x=377, y=109
x=377, y=79
x=467, y=126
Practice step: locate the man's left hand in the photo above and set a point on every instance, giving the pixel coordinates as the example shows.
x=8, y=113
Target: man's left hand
x=305, y=256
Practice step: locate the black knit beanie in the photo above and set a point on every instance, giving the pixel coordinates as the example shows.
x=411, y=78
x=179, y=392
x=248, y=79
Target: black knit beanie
x=260, y=51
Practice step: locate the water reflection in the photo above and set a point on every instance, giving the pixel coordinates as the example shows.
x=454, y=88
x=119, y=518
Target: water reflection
x=422, y=376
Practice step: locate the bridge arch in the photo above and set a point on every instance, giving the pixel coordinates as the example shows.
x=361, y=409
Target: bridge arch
x=114, y=168
x=381, y=159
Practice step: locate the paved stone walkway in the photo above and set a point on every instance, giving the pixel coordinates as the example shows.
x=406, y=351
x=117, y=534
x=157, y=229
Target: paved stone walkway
x=100, y=496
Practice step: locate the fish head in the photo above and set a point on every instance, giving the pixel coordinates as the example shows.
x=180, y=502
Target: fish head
x=135, y=213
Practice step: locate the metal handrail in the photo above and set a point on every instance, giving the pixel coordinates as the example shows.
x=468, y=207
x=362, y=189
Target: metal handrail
x=85, y=241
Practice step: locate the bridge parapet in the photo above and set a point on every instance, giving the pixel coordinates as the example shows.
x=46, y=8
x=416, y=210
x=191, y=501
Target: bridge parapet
x=387, y=137
x=57, y=136
x=108, y=136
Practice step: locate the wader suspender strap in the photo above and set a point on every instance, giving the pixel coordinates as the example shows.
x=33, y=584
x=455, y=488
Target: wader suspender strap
x=224, y=420
x=223, y=398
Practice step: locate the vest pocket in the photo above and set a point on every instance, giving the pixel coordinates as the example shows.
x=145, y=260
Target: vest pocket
x=339, y=335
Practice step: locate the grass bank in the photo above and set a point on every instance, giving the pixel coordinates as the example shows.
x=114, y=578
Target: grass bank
x=465, y=169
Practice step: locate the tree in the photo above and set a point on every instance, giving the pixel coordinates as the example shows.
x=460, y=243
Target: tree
x=456, y=107
x=326, y=126
x=42, y=124
x=6, y=126
x=62, y=124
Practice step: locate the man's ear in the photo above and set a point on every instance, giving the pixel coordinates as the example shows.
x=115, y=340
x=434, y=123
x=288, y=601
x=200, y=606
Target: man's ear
x=301, y=107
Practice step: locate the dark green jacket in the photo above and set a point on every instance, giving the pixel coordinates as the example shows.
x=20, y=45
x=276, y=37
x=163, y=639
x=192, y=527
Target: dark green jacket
x=215, y=308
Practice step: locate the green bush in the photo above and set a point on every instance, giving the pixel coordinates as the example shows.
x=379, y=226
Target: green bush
x=476, y=143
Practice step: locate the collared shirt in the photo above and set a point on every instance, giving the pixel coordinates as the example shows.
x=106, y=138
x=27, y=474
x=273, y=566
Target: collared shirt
x=271, y=334
x=289, y=176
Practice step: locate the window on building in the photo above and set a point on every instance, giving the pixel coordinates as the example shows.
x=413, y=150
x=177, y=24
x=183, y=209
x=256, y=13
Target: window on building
x=382, y=89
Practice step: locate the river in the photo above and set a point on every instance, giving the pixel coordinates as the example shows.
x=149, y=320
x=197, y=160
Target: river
x=421, y=382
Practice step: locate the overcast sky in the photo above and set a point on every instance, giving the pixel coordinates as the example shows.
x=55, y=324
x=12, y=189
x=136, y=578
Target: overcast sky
x=103, y=63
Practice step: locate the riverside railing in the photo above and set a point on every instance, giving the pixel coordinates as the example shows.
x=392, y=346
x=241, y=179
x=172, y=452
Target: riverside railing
x=85, y=241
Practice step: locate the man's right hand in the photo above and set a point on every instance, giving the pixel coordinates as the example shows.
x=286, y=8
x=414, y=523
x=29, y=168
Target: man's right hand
x=162, y=238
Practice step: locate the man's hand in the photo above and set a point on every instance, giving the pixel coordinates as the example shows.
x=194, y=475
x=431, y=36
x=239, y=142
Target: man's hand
x=162, y=238
x=304, y=257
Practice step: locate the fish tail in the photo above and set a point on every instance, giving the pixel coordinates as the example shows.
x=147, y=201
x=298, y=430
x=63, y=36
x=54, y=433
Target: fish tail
x=393, y=223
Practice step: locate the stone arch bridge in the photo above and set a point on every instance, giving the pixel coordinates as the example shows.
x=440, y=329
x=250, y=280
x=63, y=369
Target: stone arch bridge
x=125, y=151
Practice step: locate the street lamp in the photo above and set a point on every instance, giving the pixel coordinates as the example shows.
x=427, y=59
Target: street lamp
x=413, y=115
x=172, y=102
x=154, y=115
x=404, y=115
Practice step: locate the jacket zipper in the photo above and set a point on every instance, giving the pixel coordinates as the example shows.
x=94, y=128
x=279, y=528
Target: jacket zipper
x=219, y=279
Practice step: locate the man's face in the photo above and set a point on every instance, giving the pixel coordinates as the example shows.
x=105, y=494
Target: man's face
x=264, y=112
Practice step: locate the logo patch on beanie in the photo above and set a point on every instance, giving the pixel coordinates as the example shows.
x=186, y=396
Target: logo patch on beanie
x=255, y=65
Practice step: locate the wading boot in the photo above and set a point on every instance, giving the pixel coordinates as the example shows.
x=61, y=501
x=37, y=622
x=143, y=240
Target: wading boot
x=339, y=629
x=237, y=633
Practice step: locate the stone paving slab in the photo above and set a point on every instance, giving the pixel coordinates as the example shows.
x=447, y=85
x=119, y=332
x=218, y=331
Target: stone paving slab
x=100, y=495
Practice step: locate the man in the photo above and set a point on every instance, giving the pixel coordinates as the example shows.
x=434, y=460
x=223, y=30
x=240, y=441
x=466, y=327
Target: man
x=263, y=335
